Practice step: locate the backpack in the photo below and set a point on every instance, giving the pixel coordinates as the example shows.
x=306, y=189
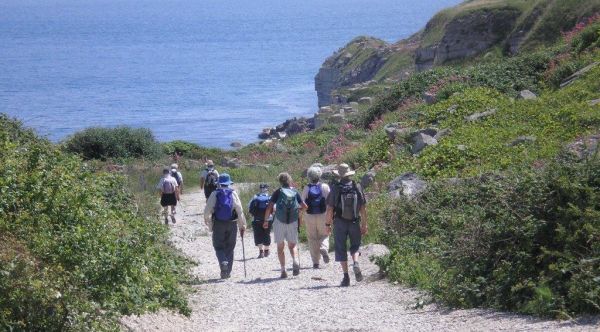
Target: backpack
x=211, y=182
x=315, y=199
x=259, y=206
x=287, y=206
x=168, y=187
x=175, y=174
x=347, y=201
x=224, y=210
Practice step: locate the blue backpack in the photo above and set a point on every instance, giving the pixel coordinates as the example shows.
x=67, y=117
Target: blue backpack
x=224, y=210
x=315, y=199
x=287, y=206
x=258, y=207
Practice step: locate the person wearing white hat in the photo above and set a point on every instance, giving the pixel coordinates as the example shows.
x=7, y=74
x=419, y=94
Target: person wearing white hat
x=315, y=196
x=178, y=176
x=209, y=179
x=346, y=211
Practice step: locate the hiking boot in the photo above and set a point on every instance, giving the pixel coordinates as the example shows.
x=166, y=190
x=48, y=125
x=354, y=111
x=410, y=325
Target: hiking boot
x=325, y=255
x=315, y=265
x=261, y=254
x=296, y=269
x=266, y=253
x=166, y=220
x=357, y=273
x=283, y=274
x=224, y=270
x=173, y=219
x=346, y=281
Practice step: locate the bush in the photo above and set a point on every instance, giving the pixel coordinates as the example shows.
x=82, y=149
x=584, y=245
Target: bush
x=191, y=150
x=74, y=252
x=520, y=241
x=113, y=143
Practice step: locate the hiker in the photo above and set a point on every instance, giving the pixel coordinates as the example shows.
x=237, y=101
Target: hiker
x=257, y=207
x=287, y=204
x=209, y=179
x=346, y=209
x=177, y=175
x=315, y=221
x=223, y=209
x=169, y=194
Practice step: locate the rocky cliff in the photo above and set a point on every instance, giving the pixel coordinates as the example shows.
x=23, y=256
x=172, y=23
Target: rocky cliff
x=468, y=30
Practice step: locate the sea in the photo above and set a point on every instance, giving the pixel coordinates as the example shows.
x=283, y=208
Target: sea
x=206, y=71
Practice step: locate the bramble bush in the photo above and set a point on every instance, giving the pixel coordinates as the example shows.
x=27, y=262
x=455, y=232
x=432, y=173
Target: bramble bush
x=519, y=241
x=113, y=143
x=74, y=250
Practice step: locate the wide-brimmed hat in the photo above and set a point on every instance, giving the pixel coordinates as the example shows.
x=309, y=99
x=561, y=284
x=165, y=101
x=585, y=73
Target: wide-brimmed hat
x=343, y=170
x=175, y=166
x=210, y=163
x=225, y=179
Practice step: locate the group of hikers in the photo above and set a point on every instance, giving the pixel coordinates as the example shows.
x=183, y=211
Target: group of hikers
x=339, y=206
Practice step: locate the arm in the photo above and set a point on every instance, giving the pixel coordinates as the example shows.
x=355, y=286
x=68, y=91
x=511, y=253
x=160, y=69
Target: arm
x=202, y=179
x=237, y=205
x=208, y=211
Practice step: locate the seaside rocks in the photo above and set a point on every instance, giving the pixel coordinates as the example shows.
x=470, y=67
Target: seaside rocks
x=368, y=179
x=365, y=101
x=408, y=185
x=231, y=162
x=522, y=140
x=527, y=95
x=236, y=144
x=396, y=130
x=479, y=116
x=420, y=141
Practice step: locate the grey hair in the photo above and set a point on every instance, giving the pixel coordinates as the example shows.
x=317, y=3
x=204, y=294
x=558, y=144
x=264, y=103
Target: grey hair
x=314, y=173
x=285, y=179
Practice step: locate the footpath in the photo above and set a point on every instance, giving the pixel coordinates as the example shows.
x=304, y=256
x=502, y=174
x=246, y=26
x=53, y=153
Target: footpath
x=311, y=301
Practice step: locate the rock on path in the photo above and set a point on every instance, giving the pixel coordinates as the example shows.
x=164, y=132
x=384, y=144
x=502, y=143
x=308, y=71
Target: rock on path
x=311, y=301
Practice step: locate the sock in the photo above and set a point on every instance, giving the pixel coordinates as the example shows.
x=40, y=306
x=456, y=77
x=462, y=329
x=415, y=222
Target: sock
x=283, y=269
x=296, y=260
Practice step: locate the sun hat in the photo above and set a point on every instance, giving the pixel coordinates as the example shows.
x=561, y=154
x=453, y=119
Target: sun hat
x=343, y=170
x=175, y=166
x=210, y=163
x=225, y=179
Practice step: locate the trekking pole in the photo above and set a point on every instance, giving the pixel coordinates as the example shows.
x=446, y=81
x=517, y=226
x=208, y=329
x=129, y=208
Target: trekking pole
x=244, y=254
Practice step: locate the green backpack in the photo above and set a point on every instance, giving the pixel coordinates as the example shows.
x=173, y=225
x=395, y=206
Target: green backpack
x=287, y=206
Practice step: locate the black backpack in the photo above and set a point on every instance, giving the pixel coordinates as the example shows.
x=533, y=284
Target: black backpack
x=211, y=182
x=175, y=174
x=346, y=206
x=315, y=199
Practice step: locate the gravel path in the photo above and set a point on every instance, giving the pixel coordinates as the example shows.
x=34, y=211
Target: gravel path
x=310, y=301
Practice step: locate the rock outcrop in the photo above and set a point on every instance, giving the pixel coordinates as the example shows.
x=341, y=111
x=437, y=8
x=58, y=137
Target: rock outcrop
x=408, y=185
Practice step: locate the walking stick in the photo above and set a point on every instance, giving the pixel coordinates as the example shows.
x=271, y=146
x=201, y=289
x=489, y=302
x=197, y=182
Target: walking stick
x=243, y=253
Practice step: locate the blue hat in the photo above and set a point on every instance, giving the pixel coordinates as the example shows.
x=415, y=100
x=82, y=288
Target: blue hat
x=225, y=179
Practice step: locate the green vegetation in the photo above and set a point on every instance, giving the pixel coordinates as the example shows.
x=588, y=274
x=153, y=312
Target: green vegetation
x=113, y=143
x=74, y=252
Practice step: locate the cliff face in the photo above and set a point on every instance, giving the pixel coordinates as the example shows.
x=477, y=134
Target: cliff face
x=461, y=32
x=467, y=36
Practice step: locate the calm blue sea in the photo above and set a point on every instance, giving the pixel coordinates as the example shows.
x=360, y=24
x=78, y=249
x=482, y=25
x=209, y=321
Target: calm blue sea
x=207, y=71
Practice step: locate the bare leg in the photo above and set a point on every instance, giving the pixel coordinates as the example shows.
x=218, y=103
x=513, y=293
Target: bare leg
x=344, y=266
x=281, y=254
x=293, y=251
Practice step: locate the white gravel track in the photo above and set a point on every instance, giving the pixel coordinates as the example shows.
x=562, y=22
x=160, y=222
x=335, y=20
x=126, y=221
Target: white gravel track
x=311, y=301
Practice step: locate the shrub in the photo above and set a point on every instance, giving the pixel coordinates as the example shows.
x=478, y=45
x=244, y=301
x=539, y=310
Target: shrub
x=113, y=143
x=191, y=150
x=74, y=252
x=522, y=241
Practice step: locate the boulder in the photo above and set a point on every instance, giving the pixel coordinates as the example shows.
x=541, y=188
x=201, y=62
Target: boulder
x=281, y=148
x=281, y=134
x=452, y=109
x=354, y=105
x=584, y=147
x=578, y=74
x=522, y=140
x=396, y=130
x=594, y=102
x=527, y=95
x=264, y=135
x=231, y=162
x=368, y=179
x=427, y=131
x=236, y=144
x=408, y=185
x=479, y=116
x=297, y=127
x=337, y=119
x=325, y=109
x=365, y=101
x=328, y=172
x=442, y=133
x=429, y=98
x=420, y=141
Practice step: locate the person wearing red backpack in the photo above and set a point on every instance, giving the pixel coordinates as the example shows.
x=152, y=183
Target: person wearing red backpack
x=315, y=195
x=224, y=215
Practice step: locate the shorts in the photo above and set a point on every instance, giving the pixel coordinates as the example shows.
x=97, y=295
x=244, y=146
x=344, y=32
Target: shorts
x=168, y=200
x=261, y=235
x=342, y=232
x=285, y=232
